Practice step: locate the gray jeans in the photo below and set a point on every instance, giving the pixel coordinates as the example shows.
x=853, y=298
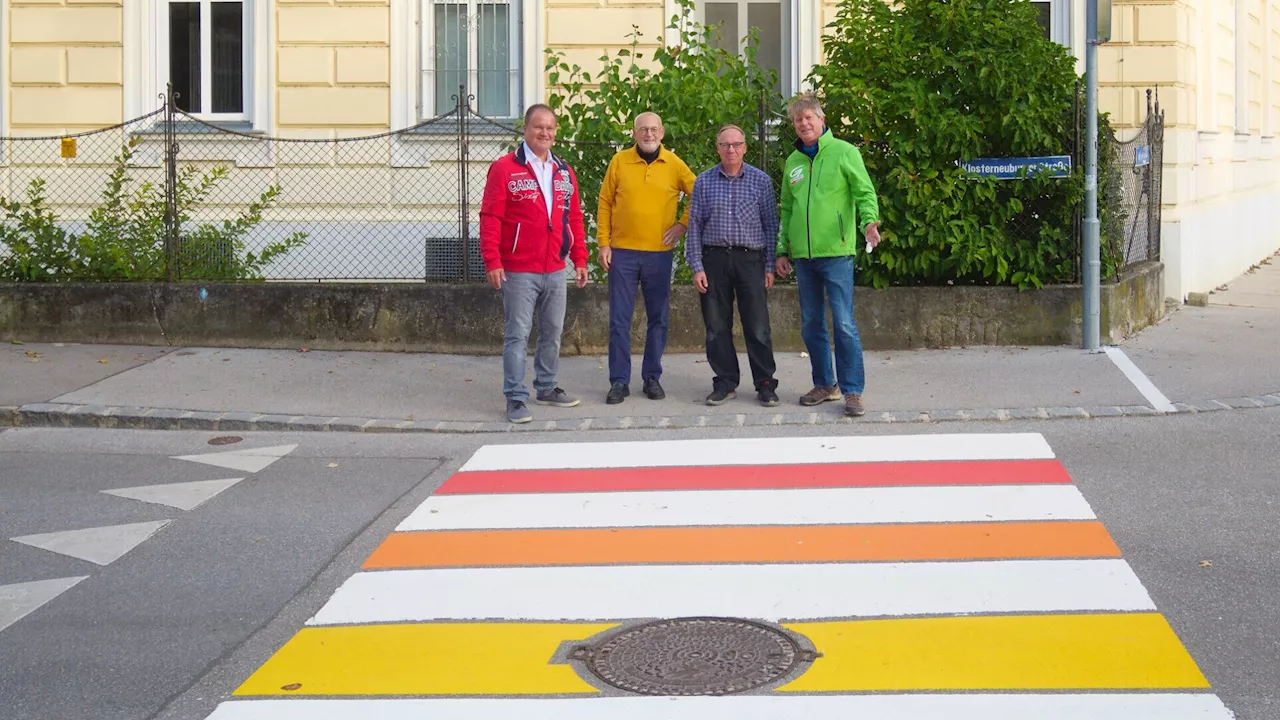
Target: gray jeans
x=526, y=296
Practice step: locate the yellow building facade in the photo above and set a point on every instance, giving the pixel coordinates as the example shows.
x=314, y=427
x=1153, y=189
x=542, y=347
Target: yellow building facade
x=334, y=68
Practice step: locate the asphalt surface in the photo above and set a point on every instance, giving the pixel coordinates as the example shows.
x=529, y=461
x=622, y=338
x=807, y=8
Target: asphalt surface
x=175, y=625
x=140, y=630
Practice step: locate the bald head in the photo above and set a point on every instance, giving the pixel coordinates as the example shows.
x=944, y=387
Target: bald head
x=648, y=131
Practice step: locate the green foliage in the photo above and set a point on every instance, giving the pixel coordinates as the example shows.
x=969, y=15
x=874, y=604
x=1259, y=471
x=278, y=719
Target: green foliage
x=694, y=86
x=921, y=86
x=124, y=238
x=1113, y=211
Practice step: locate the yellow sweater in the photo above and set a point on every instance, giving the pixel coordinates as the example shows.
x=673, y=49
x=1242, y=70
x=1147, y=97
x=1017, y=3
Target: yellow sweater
x=638, y=200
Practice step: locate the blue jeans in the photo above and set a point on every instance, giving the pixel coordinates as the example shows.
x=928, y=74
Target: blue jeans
x=652, y=272
x=526, y=297
x=823, y=282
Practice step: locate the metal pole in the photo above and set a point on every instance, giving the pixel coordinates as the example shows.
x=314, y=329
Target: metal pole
x=1092, y=270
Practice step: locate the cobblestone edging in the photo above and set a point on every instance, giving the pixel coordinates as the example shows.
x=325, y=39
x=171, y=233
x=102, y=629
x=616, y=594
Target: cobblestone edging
x=142, y=418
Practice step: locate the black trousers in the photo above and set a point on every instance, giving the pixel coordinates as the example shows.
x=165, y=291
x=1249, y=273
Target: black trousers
x=737, y=274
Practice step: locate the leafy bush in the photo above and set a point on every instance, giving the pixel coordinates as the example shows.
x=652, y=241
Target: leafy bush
x=124, y=238
x=693, y=85
x=921, y=86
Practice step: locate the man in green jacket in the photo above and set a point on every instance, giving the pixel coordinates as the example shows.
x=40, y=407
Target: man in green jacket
x=827, y=199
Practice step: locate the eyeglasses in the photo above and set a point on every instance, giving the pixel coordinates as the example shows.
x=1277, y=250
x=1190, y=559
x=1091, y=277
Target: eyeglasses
x=731, y=146
x=648, y=130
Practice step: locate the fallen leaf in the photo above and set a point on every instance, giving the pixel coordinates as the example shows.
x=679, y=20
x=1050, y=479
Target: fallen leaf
x=103, y=361
x=1077, y=392
x=410, y=417
x=35, y=359
x=466, y=379
x=599, y=367
x=1206, y=563
x=804, y=354
x=226, y=359
x=304, y=349
x=15, y=342
x=332, y=465
x=291, y=686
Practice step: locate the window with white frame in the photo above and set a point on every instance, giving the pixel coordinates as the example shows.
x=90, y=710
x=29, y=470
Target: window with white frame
x=207, y=56
x=474, y=47
x=215, y=53
x=1054, y=17
x=733, y=22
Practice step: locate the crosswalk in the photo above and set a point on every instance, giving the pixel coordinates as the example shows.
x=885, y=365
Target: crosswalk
x=933, y=576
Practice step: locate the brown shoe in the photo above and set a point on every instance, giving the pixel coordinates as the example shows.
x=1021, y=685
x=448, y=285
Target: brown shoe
x=820, y=395
x=853, y=405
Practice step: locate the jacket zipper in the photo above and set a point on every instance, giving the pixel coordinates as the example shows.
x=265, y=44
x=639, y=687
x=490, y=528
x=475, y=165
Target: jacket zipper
x=808, y=201
x=516, y=241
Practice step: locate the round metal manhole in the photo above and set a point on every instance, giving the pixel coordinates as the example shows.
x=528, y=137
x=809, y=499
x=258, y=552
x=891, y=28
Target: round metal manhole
x=694, y=656
x=225, y=440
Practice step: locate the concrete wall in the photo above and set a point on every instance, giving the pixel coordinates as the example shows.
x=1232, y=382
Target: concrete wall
x=468, y=318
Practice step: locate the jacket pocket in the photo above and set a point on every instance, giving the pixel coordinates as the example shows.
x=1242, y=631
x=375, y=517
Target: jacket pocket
x=516, y=240
x=840, y=220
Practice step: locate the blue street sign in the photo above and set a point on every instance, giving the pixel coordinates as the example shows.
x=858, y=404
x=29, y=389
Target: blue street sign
x=1141, y=156
x=1009, y=168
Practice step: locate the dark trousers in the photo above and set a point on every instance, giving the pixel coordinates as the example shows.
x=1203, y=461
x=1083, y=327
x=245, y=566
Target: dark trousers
x=652, y=272
x=737, y=273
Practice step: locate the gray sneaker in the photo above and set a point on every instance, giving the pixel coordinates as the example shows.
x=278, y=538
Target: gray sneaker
x=556, y=397
x=518, y=412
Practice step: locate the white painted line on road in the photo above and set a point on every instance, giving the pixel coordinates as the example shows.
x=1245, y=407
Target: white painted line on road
x=18, y=601
x=769, y=592
x=750, y=451
x=250, y=460
x=1140, y=381
x=100, y=545
x=184, y=496
x=1041, y=706
x=827, y=506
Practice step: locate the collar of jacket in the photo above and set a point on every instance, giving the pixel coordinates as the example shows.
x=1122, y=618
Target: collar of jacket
x=823, y=139
x=633, y=154
x=523, y=159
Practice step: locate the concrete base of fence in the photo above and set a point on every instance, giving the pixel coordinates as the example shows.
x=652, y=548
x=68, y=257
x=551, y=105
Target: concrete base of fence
x=467, y=319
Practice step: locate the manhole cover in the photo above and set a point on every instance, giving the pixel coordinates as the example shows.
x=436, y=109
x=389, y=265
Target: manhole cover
x=225, y=440
x=694, y=656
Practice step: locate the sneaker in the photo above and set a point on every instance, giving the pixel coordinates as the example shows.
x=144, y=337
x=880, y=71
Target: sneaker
x=518, y=412
x=853, y=405
x=768, y=397
x=617, y=393
x=820, y=395
x=653, y=390
x=720, y=396
x=556, y=397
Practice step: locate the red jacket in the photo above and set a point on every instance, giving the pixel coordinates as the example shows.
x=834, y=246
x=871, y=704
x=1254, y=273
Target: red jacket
x=515, y=233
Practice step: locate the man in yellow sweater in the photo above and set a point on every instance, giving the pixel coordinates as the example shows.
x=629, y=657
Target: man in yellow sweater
x=637, y=230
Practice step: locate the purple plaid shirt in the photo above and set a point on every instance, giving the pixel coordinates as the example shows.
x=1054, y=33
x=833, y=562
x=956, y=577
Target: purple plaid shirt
x=739, y=211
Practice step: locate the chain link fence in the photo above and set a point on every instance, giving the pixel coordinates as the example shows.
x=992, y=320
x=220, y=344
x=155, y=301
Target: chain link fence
x=1133, y=197
x=170, y=197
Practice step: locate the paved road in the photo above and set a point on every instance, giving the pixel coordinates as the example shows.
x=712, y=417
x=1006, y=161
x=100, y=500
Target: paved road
x=177, y=623
x=154, y=590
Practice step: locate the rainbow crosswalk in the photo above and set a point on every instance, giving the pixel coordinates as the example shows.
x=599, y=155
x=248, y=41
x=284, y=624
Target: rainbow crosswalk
x=939, y=576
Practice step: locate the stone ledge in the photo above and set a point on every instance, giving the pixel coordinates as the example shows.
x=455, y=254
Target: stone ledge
x=61, y=415
x=409, y=317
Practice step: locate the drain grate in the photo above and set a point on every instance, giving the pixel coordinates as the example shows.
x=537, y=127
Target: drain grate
x=694, y=656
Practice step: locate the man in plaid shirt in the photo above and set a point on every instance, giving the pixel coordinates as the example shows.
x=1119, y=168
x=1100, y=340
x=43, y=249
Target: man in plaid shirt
x=733, y=228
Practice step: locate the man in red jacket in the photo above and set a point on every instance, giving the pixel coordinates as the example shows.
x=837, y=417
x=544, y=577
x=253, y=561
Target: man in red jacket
x=530, y=220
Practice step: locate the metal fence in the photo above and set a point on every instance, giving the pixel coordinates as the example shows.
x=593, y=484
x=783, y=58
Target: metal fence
x=168, y=196
x=1132, y=200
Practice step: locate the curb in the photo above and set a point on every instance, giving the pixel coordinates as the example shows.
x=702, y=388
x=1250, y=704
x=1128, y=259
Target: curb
x=61, y=415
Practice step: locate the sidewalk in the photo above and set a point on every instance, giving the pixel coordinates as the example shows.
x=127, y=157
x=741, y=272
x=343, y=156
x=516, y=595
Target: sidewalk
x=1201, y=359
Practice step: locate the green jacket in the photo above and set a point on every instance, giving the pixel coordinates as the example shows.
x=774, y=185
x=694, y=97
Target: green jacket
x=826, y=202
